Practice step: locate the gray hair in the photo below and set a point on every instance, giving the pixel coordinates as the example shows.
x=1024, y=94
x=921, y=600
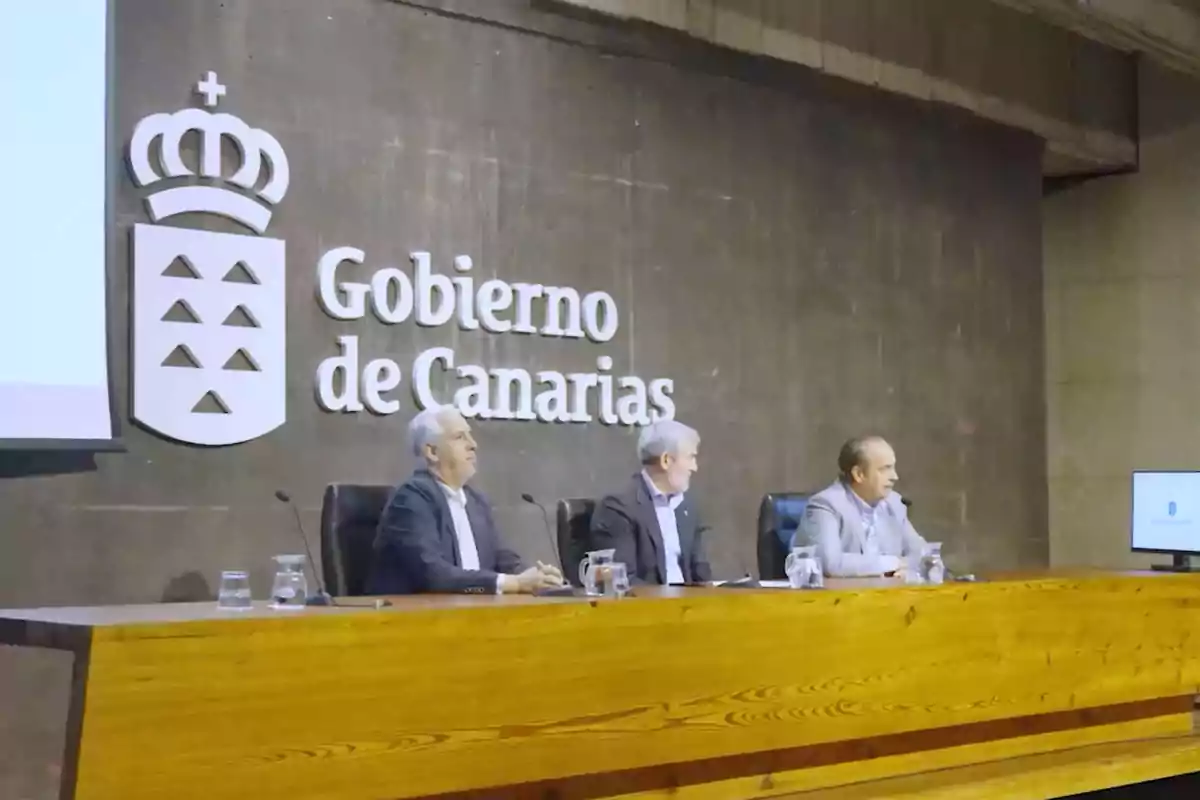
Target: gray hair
x=664, y=437
x=425, y=428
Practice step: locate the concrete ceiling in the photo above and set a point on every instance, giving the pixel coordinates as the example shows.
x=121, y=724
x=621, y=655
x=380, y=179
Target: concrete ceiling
x=999, y=59
x=1167, y=31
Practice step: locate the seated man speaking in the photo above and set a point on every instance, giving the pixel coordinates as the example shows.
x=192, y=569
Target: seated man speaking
x=859, y=525
x=653, y=524
x=437, y=534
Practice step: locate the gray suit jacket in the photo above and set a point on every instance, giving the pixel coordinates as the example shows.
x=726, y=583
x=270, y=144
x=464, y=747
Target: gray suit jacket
x=833, y=523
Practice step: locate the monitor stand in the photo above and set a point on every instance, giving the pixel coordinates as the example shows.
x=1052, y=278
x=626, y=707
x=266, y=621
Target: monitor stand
x=1180, y=562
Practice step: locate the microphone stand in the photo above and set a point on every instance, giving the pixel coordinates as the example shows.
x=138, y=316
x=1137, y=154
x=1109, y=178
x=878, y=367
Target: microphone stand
x=562, y=591
x=322, y=597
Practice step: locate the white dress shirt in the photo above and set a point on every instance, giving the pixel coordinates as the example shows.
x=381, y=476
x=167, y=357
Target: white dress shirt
x=664, y=509
x=468, y=552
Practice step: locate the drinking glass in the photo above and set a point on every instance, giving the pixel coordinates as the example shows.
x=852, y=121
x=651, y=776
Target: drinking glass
x=290, y=588
x=234, y=592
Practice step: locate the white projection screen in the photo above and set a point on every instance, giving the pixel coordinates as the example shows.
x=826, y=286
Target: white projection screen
x=54, y=348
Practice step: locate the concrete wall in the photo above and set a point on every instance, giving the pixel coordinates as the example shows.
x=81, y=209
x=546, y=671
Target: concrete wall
x=990, y=59
x=1123, y=329
x=805, y=257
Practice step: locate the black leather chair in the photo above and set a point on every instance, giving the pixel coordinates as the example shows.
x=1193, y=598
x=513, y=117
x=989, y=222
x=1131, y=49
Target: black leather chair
x=573, y=529
x=779, y=514
x=349, y=516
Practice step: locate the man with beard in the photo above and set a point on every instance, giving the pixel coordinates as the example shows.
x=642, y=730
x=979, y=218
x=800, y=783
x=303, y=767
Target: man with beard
x=653, y=524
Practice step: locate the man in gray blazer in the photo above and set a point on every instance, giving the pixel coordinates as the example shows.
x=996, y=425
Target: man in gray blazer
x=858, y=524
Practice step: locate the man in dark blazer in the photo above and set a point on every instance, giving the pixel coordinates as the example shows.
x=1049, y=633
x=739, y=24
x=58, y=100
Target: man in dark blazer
x=653, y=523
x=437, y=533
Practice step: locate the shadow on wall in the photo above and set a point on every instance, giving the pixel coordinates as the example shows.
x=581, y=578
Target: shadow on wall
x=28, y=463
x=190, y=587
x=1168, y=101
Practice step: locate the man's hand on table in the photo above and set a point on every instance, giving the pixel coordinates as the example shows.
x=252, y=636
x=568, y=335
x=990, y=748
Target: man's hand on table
x=539, y=576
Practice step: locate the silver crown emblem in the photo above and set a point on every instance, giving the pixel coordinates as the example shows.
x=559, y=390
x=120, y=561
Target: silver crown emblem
x=255, y=146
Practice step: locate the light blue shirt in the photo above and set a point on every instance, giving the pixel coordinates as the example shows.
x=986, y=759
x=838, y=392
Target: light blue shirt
x=870, y=544
x=664, y=509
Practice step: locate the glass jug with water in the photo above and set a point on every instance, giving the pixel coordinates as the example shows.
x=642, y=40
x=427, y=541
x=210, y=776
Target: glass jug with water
x=615, y=580
x=933, y=571
x=803, y=568
x=290, y=588
x=593, y=569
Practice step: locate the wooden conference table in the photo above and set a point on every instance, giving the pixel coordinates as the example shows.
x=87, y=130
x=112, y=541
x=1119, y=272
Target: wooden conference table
x=1021, y=686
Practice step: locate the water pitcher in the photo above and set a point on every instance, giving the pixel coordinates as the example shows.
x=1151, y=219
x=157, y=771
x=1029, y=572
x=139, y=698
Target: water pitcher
x=933, y=571
x=803, y=568
x=593, y=569
x=290, y=588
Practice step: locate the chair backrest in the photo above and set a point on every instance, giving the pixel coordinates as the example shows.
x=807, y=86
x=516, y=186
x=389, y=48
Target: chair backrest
x=779, y=515
x=574, y=522
x=349, y=516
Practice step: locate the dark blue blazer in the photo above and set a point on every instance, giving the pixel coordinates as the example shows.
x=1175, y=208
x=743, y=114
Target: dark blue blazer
x=416, y=549
x=627, y=522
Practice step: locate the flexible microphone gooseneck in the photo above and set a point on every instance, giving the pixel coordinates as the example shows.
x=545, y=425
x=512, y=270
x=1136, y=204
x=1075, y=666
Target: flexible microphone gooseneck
x=568, y=589
x=528, y=498
x=322, y=597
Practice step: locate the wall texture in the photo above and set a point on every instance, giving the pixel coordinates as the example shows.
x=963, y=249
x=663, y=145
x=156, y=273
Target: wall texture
x=981, y=55
x=805, y=257
x=1123, y=329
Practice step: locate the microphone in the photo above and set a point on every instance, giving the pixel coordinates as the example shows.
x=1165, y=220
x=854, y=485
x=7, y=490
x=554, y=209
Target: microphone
x=528, y=498
x=566, y=590
x=322, y=597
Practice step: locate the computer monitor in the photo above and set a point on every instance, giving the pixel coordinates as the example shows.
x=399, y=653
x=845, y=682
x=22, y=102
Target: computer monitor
x=1166, y=516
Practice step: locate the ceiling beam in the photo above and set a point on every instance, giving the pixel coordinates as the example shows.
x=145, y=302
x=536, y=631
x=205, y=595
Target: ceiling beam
x=1164, y=31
